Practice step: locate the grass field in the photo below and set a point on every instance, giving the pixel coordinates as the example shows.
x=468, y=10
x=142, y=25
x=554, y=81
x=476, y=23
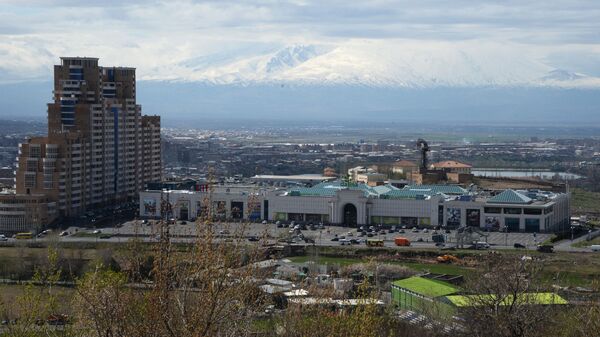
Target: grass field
x=564, y=269
x=594, y=241
x=14, y=294
x=425, y=267
x=583, y=201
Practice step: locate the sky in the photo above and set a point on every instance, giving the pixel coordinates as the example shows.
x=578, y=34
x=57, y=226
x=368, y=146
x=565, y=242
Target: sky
x=165, y=39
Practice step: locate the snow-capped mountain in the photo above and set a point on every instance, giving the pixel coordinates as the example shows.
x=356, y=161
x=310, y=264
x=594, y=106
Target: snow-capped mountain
x=378, y=63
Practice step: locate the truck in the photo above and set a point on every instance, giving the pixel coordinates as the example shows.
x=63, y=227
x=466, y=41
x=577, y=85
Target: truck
x=402, y=241
x=374, y=243
x=595, y=248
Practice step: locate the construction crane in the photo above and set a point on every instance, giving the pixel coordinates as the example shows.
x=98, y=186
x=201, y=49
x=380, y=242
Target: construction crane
x=424, y=148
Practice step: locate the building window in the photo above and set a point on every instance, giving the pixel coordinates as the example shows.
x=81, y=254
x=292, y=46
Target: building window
x=493, y=210
x=532, y=225
x=532, y=211
x=512, y=224
x=511, y=210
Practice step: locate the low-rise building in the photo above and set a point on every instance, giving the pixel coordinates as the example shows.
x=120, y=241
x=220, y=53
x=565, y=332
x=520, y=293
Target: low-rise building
x=339, y=202
x=26, y=213
x=435, y=298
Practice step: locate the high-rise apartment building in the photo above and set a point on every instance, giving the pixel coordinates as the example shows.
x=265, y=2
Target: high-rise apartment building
x=100, y=149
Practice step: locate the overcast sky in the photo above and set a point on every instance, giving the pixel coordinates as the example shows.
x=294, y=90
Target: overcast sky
x=155, y=35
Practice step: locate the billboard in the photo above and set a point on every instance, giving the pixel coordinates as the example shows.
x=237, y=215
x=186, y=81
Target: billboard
x=492, y=222
x=473, y=217
x=149, y=207
x=453, y=217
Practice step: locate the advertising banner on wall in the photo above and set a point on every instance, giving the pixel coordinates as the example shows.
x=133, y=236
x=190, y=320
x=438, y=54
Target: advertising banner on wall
x=453, y=217
x=492, y=222
x=149, y=207
x=473, y=217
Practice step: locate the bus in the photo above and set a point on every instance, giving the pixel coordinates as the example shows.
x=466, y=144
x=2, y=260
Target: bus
x=374, y=243
x=23, y=236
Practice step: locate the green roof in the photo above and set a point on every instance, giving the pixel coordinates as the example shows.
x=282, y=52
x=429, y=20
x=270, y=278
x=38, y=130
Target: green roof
x=426, y=287
x=533, y=298
x=510, y=197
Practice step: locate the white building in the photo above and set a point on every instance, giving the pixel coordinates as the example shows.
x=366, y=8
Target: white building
x=360, y=204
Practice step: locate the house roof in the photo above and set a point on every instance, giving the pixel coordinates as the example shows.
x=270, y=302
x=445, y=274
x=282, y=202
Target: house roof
x=426, y=287
x=450, y=164
x=510, y=197
x=532, y=298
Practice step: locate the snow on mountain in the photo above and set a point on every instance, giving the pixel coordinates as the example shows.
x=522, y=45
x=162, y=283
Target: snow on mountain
x=381, y=63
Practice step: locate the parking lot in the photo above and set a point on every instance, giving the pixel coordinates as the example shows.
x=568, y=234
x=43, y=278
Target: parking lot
x=325, y=236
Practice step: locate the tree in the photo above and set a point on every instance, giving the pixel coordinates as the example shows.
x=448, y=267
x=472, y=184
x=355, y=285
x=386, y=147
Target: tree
x=501, y=303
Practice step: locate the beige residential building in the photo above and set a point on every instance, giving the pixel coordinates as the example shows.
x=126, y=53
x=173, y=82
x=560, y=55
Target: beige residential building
x=100, y=150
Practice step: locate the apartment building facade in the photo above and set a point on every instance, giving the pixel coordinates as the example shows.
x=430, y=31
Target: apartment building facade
x=100, y=150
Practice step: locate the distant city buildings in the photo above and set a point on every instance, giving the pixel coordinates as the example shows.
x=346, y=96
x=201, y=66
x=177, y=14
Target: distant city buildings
x=99, y=150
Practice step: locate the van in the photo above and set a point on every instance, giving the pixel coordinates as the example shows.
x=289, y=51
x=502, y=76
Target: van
x=401, y=241
x=595, y=248
x=482, y=245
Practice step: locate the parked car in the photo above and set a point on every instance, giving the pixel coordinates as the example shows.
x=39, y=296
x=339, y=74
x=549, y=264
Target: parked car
x=97, y=231
x=223, y=232
x=252, y=239
x=545, y=248
x=335, y=239
x=64, y=233
x=344, y=242
x=264, y=222
x=415, y=230
x=3, y=238
x=518, y=245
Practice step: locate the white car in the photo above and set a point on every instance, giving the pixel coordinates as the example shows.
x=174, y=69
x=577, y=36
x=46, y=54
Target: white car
x=97, y=231
x=264, y=222
x=349, y=234
x=3, y=238
x=344, y=242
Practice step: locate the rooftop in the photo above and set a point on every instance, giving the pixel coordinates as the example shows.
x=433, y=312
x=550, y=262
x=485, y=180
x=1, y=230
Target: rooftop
x=330, y=188
x=450, y=164
x=302, y=177
x=510, y=197
x=405, y=163
x=426, y=287
x=533, y=298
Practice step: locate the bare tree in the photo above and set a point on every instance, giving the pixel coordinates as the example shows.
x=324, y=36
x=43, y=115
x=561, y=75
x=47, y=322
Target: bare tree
x=501, y=300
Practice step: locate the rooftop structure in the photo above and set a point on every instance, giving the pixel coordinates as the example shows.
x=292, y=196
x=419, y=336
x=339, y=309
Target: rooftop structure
x=433, y=297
